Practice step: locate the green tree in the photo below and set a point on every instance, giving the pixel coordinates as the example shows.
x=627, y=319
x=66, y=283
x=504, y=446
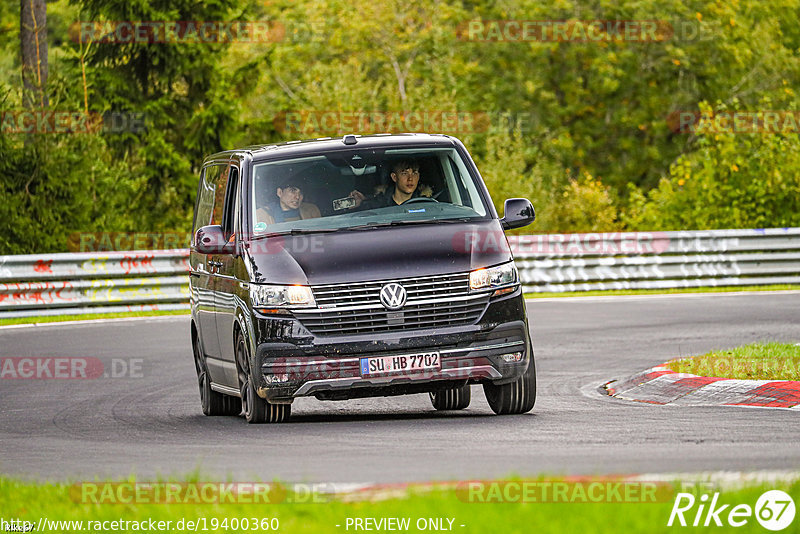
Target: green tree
x=180, y=89
x=732, y=180
x=56, y=185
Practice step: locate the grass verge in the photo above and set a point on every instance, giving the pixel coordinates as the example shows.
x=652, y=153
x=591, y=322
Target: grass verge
x=757, y=361
x=451, y=507
x=87, y=317
x=608, y=293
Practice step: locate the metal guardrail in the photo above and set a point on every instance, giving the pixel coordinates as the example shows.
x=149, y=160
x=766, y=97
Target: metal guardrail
x=91, y=282
x=657, y=260
x=76, y=283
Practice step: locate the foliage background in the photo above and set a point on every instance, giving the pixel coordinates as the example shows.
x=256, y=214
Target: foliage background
x=580, y=128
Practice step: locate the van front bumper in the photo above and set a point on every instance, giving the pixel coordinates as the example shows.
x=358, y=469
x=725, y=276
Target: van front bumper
x=329, y=378
x=496, y=349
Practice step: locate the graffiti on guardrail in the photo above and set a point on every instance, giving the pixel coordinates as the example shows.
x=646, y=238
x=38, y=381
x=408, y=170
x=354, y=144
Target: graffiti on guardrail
x=42, y=293
x=25, y=295
x=122, y=290
x=95, y=265
x=147, y=263
x=137, y=263
x=43, y=266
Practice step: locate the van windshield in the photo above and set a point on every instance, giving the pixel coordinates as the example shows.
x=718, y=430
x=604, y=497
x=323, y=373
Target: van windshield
x=347, y=189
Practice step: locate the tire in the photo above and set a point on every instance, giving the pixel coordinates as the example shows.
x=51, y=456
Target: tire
x=256, y=410
x=451, y=399
x=515, y=398
x=212, y=402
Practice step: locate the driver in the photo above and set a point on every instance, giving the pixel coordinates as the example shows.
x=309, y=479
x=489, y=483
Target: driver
x=405, y=176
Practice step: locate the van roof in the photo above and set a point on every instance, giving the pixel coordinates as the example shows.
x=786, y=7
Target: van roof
x=324, y=144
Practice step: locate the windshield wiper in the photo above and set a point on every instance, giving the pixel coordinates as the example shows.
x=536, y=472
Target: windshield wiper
x=367, y=226
x=402, y=222
x=298, y=231
x=424, y=221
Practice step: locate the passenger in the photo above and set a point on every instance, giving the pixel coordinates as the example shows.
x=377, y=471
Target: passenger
x=405, y=175
x=288, y=204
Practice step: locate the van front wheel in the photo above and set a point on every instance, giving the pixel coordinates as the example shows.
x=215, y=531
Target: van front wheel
x=256, y=410
x=515, y=398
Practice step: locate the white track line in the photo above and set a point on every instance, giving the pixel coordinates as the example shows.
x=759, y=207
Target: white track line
x=602, y=298
x=90, y=322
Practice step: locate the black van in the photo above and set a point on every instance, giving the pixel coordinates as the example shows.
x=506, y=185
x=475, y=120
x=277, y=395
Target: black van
x=355, y=267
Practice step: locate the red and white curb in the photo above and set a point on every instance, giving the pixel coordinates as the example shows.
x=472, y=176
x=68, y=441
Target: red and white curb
x=661, y=385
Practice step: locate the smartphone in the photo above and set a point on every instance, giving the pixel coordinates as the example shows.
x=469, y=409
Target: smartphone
x=344, y=203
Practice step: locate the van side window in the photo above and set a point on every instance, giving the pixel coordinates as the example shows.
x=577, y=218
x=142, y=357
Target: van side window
x=220, y=189
x=205, y=198
x=228, y=216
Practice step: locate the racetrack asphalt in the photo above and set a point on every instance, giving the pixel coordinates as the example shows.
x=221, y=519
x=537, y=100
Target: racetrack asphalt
x=152, y=425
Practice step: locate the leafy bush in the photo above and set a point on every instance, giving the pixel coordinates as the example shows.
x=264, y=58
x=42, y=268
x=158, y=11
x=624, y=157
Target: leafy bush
x=732, y=180
x=585, y=205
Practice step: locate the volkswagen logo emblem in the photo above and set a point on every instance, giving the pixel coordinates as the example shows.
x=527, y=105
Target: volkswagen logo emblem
x=393, y=296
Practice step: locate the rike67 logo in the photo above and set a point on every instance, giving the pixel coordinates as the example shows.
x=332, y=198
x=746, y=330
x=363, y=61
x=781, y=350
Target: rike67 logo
x=774, y=510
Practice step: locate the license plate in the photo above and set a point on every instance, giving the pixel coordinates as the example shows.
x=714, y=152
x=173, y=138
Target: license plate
x=397, y=364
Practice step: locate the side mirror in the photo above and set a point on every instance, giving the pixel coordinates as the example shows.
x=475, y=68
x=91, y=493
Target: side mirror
x=211, y=240
x=519, y=212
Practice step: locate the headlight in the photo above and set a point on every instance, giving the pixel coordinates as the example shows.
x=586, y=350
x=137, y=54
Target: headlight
x=494, y=277
x=281, y=296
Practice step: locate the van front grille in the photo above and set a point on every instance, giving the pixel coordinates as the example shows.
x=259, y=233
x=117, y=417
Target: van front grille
x=433, y=301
